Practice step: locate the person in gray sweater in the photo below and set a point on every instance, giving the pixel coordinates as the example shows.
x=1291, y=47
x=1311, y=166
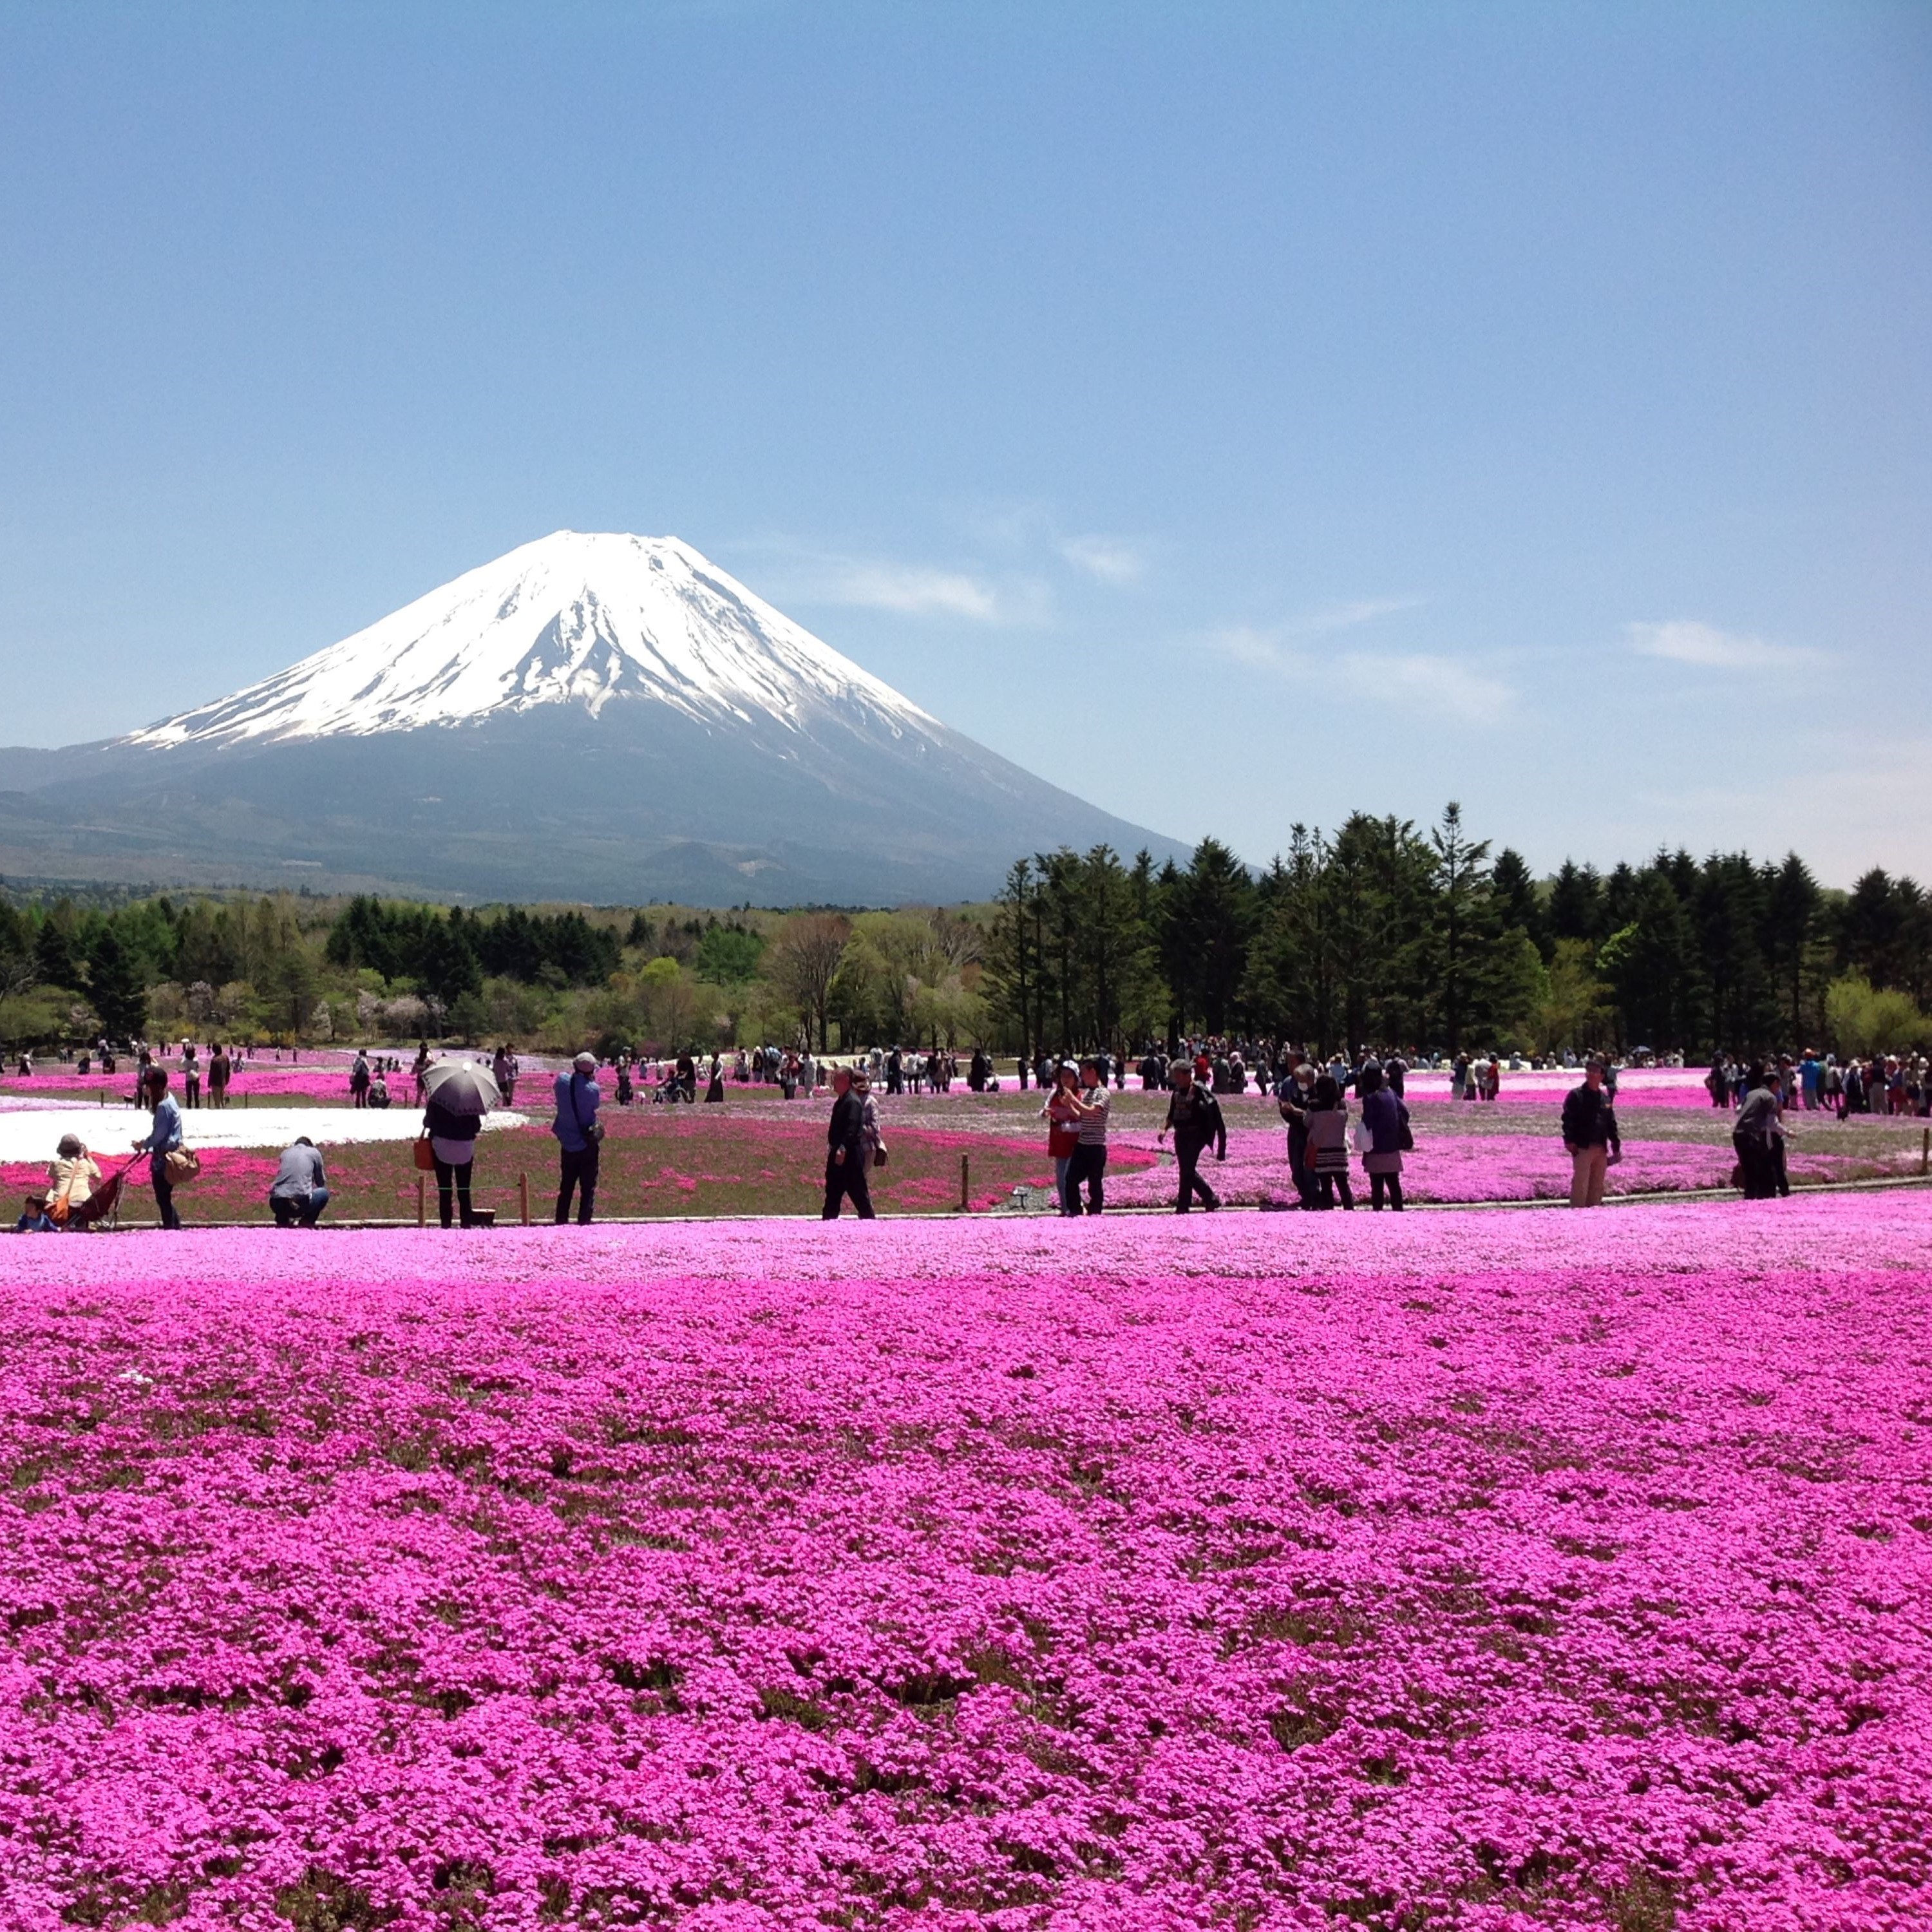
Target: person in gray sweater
x=300, y=1189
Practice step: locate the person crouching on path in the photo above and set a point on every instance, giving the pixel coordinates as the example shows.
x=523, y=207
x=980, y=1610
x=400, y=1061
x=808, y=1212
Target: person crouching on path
x=579, y=1134
x=162, y=1139
x=1194, y=1115
x=846, y=1155
x=300, y=1189
x=1590, y=1136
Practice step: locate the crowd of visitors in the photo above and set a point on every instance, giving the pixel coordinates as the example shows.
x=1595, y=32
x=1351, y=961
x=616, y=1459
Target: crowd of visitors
x=1886, y=1083
x=1311, y=1096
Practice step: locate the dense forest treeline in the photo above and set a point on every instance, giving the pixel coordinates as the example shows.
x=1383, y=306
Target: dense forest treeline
x=1379, y=934
x=1376, y=933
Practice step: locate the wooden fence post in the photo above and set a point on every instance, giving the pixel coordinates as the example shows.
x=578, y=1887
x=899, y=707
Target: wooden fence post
x=1925, y=1152
x=422, y=1202
x=523, y=1198
x=965, y=1185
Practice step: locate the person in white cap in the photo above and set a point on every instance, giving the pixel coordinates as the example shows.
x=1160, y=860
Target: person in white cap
x=579, y=1134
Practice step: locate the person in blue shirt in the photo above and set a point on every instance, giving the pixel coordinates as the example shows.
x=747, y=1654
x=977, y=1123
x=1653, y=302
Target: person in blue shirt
x=161, y=1140
x=578, y=1133
x=1810, y=1078
x=35, y=1218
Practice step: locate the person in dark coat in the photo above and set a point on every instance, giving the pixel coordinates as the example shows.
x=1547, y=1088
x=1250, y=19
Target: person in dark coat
x=1757, y=1138
x=1385, y=1115
x=1590, y=1134
x=1194, y=1115
x=847, y=1153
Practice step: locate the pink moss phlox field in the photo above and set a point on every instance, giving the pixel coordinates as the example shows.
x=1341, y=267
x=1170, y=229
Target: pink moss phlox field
x=236, y=1164
x=1466, y=1167
x=1512, y=1572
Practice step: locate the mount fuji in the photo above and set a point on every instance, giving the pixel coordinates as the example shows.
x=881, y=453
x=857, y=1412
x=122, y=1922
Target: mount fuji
x=600, y=717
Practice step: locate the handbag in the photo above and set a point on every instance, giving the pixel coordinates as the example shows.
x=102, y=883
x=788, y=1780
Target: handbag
x=1061, y=1140
x=423, y=1153
x=181, y=1165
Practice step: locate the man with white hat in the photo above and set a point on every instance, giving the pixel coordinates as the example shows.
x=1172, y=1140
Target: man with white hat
x=579, y=1134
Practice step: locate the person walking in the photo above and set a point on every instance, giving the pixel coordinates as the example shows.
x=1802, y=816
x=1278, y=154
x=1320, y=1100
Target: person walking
x=299, y=1191
x=1590, y=1136
x=1194, y=1118
x=846, y=1155
x=162, y=1139
x=220, y=1069
x=580, y=1135
x=452, y=1145
x=1328, y=1143
x=1088, y=1167
x=1385, y=1119
x=190, y=1076
x=358, y=1080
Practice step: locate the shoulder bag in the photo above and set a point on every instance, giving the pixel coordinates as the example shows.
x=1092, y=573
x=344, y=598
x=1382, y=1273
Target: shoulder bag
x=593, y=1131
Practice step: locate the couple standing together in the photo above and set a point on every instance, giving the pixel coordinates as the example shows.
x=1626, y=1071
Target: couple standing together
x=1076, y=1134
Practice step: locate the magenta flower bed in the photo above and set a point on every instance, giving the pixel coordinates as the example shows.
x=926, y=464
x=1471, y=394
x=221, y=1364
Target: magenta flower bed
x=1130, y=1574
x=1482, y=1167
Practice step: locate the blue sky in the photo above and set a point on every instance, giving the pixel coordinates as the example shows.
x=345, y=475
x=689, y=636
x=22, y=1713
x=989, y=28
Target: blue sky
x=1238, y=415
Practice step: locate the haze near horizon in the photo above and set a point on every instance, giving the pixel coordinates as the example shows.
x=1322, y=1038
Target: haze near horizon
x=1235, y=420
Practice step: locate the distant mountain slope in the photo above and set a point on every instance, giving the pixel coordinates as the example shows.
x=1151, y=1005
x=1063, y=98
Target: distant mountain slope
x=599, y=717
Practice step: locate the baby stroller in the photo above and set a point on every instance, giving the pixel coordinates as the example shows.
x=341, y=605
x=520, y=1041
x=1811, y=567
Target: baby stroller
x=103, y=1204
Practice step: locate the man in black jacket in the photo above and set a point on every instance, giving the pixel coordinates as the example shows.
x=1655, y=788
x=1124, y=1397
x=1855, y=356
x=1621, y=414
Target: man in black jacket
x=846, y=1153
x=1194, y=1115
x=1590, y=1136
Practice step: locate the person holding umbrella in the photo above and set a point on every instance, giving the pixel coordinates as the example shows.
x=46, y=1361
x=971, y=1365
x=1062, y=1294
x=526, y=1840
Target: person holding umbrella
x=459, y=1095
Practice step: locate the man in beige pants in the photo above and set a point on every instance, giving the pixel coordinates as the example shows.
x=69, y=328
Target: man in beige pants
x=1590, y=1136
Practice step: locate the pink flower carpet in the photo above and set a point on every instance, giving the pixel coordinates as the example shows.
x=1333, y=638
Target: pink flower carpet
x=1517, y=1570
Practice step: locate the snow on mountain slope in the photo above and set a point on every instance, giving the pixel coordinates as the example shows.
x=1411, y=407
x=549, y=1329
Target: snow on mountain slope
x=570, y=619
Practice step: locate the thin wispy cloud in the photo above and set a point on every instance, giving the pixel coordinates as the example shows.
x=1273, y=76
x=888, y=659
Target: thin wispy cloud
x=911, y=589
x=1111, y=559
x=1684, y=640
x=1351, y=615
x=1446, y=685
x=1425, y=678
x=799, y=574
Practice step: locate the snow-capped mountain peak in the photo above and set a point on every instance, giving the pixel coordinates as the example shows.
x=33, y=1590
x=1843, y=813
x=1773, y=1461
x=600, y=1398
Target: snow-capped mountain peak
x=571, y=619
